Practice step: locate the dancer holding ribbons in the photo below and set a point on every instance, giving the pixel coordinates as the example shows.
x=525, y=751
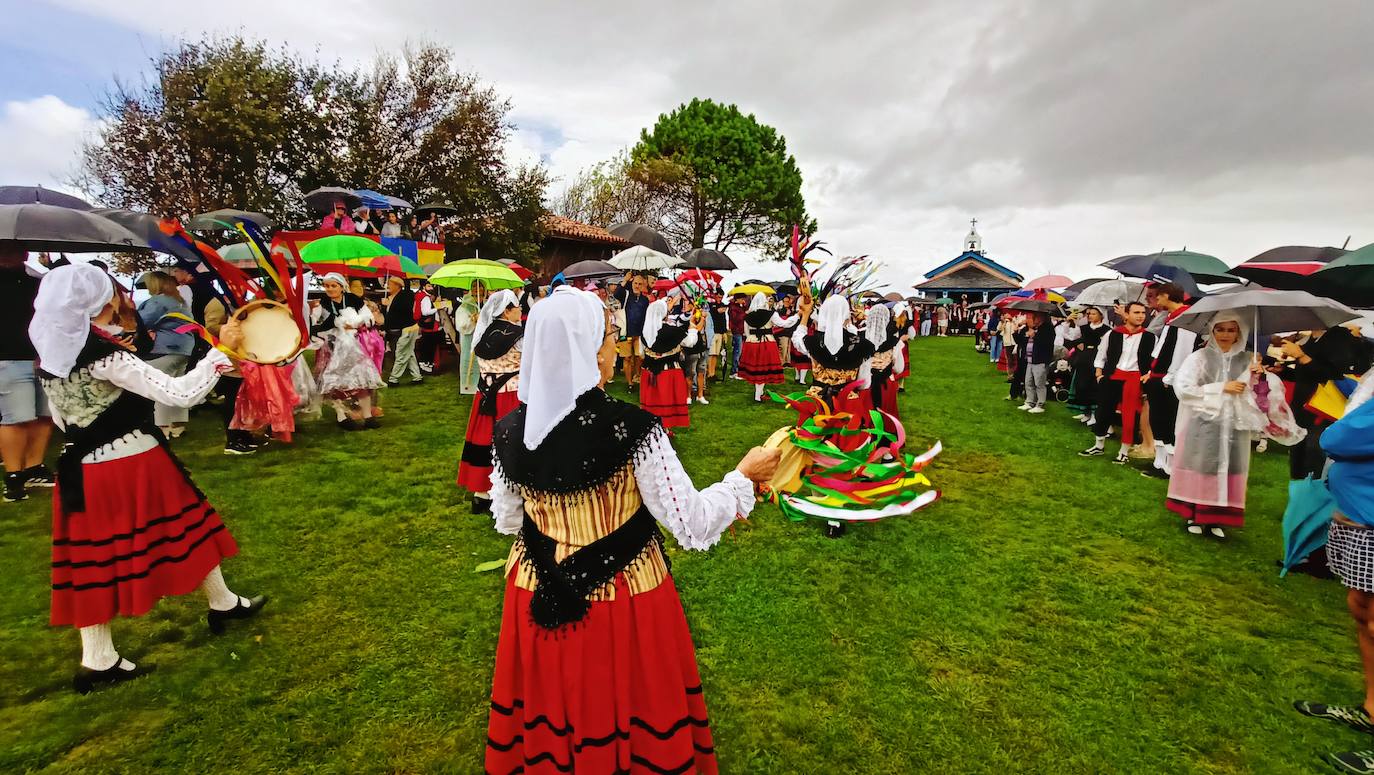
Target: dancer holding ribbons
x=496, y=345
x=595, y=669
x=129, y=525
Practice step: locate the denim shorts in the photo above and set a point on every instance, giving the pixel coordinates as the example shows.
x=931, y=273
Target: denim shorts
x=21, y=397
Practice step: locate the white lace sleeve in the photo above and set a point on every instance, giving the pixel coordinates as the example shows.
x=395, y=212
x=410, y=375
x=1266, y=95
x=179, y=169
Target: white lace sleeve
x=799, y=341
x=127, y=371
x=507, y=507
x=783, y=321
x=695, y=518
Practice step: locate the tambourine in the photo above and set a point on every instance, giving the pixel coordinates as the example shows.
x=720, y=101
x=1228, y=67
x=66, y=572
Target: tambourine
x=270, y=332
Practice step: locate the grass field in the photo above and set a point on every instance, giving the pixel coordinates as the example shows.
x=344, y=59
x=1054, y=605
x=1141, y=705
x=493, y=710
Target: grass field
x=1047, y=615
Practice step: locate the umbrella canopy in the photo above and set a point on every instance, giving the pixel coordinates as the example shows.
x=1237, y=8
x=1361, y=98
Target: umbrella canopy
x=520, y=271
x=645, y=236
x=1108, y=293
x=1349, y=279
x=430, y=269
x=442, y=208
x=1203, y=268
x=591, y=270
x=65, y=230
x=225, y=220
x=1072, y=291
x=894, y=296
x=1033, y=305
x=785, y=288
x=1270, y=312
x=751, y=289
x=378, y=201
x=342, y=249
x=240, y=254
x=322, y=200
x=37, y=195
x=706, y=258
x=942, y=302
x=146, y=228
x=1305, y=520
x=493, y=275
x=396, y=265
x=642, y=259
x=1039, y=295
x=1048, y=281
x=1284, y=268
x=663, y=285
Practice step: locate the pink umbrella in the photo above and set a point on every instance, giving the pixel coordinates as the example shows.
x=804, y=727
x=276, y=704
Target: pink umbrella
x=1047, y=282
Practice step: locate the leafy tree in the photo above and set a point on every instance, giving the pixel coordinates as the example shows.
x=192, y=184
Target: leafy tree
x=725, y=178
x=607, y=193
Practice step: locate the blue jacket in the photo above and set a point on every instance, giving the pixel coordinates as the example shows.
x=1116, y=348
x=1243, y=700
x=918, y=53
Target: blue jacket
x=1350, y=445
x=153, y=312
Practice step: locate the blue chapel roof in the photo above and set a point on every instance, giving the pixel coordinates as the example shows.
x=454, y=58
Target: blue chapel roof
x=980, y=258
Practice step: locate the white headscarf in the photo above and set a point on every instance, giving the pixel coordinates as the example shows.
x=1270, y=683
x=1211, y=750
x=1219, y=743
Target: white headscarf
x=653, y=321
x=760, y=301
x=878, y=319
x=335, y=277
x=494, y=308
x=68, y=298
x=558, y=364
x=901, y=308
x=1242, y=342
x=831, y=321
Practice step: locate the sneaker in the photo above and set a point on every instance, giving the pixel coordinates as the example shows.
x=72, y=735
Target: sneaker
x=1122, y=458
x=1352, y=716
x=1194, y=528
x=1008, y=398
x=372, y=422
x=1361, y=762
x=392, y=382
x=1154, y=473
x=834, y=531
x=1262, y=446
x=417, y=380
x=239, y=448
x=1092, y=452
x=1036, y=410
x=689, y=400
x=14, y=487
x=39, y=476
x=1080, y=417
x=702, y=400
x=1217, y=533
x=1025, y=407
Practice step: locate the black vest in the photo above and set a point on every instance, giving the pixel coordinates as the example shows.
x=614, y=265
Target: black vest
x=1117, y=340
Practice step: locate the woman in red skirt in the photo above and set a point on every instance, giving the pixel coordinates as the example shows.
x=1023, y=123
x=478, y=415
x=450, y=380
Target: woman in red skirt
x=760, y=361
x=886, y=361
x=496, y=345
x=129, y=525
x=662, y=383
x=901, y=318
x=595, y=669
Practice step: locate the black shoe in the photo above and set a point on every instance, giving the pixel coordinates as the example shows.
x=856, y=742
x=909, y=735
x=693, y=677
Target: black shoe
x=350, y=424
x=14, y=487
x=834, y=531
x=1092, y=452
x=217, y=619
x=372, y=422
x=481, y=505
x=239, y=448
x=392, y=383
x=1358, y=762
x=87, y=680
x=1154, y=473
x=39, y=476
x=417, y=381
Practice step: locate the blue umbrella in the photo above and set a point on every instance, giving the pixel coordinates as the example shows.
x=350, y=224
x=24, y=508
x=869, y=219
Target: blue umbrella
x=1305, y=520
x=373, y=200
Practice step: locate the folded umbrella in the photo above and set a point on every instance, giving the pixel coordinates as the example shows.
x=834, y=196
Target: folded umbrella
x=37, y=195
x=65, y=230
x=643, y=235
x=642, y=259
x=1305, y=520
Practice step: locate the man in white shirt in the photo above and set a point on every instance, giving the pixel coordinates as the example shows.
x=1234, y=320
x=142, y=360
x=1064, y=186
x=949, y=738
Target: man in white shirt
x=1123, y=364
x=1172, y=346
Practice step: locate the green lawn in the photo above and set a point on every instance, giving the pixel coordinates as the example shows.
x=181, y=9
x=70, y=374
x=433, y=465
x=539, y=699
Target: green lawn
x=1048, y=615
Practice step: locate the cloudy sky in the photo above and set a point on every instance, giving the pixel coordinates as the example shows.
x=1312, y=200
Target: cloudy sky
x=1075, y=131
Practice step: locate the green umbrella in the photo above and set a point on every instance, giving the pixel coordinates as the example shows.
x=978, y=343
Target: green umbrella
x=493, y=275
x=944, y=301
x=342, y=249
x=1349, y=279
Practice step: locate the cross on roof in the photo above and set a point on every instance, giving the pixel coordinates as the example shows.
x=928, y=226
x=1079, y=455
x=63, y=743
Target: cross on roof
x=973, y=224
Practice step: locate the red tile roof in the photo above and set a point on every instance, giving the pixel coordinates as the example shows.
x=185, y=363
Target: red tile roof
x=567, y=228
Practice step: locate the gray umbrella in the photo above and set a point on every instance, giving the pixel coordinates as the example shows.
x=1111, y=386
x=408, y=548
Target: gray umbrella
x=1034, y=305
x=145, y=227
x=64, y=230
x=1268, y=312
x=37, y=195
x=1107, y=293
x=224, y=220
x=322, y=199
x=591, y=270
x=648, y=236
x=706, y=258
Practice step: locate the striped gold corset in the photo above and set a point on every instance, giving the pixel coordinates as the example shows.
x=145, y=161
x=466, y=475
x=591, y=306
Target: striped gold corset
x=835, y=377
x=574, y=520
x=882, y=360
x=506, y=364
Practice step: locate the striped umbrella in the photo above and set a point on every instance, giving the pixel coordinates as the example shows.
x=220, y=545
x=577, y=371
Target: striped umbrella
x=1285, y=268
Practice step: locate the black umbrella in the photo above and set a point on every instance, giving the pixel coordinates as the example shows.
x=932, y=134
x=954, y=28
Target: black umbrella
x=1202, y=267
x=224, y=220
x=442, y=208
x=37, y=195
x=1034, y=305
x=706, y=258
x=1287, y=268
x=591, y=270
x=322, y=200
x=146, y=228
x=647, y=236
x=785, y=287
x=64, y=230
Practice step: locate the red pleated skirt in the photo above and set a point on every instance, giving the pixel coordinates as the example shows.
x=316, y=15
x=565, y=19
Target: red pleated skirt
x=474, y=466
x=665, y=394
x=267, y=399
x=885, y=396
x=145, y=534
x=617, y=692
x=1202, y=514
x=760, y=363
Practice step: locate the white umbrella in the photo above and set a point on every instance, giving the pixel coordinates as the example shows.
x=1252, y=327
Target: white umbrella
x=1110, y=293
x=1270, y=312
x=642, y=259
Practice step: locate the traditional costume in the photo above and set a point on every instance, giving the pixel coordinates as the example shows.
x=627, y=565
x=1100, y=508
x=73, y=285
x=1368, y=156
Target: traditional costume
x=901, y=316
x=1087, y=339
x=1171, y=349
x=1124, y=357
x=129, y=525
x=344, y=372
x=837, y=354
x=662, y=383
x=497, y=350
x=887, y=360
x=267, y=400
x=595, y=669
x=760, y=362
x=1215, y=428
x=465, y=319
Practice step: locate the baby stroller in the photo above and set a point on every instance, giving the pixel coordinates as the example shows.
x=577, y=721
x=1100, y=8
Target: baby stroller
x=1061, y=377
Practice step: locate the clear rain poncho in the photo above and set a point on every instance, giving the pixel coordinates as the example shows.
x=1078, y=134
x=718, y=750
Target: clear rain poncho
x=1214, y=428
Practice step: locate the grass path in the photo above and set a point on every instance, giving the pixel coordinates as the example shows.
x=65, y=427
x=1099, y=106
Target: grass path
x=1048, y=615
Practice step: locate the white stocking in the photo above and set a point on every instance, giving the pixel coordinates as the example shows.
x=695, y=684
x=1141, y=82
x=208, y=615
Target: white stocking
x=97, y=649
x=758, y=392
x=801, y=375
x=339, y=410
x=217, y=592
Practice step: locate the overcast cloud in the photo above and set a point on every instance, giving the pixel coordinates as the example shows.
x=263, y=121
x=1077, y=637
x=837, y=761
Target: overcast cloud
x=1075, y=131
